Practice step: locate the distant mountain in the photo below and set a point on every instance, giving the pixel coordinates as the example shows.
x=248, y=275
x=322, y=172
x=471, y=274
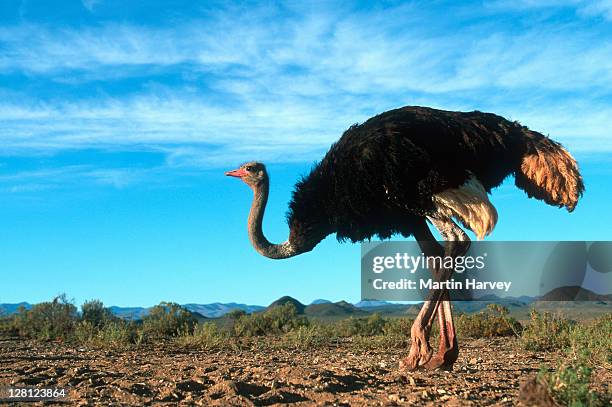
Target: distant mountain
x=320, y=301
x=299, y=307
x=575, y=299
x=336, y=309
x=574, y=293
x=217, y=309
x=372, y=304
x=129, y=313
x=8, y=309
x=214, y=310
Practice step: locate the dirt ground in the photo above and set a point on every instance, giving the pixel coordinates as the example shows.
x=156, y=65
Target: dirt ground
x=488, y=372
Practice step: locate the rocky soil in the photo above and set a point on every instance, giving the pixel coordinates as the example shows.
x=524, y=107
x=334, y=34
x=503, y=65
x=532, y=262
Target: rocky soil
x=488, y=372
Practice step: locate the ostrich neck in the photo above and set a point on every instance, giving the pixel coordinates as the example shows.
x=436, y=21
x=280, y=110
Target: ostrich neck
x=255, y=221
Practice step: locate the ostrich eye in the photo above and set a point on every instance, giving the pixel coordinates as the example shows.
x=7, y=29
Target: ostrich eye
x=249, y=168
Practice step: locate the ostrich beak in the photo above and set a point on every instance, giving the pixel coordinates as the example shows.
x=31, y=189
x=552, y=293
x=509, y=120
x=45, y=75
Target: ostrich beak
x=239, y=173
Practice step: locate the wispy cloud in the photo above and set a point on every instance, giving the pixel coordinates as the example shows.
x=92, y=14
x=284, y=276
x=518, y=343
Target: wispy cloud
x=597, y=8
x=281, y=85
x=584, y=8
x=31, y=181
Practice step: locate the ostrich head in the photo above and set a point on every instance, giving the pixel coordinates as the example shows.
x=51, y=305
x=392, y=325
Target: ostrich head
x=253, y=174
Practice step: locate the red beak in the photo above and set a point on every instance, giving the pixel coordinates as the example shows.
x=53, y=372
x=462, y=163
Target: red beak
x=239, y=173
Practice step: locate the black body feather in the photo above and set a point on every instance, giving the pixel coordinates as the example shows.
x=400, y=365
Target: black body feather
x=379, y=177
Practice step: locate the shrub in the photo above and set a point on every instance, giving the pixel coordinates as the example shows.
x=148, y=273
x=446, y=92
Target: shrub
x=494, y=321
x=112, y=334
x=370, y=326
x=593, y=341
x=206, y=336
x=236, y=314
x=95, y=313
x=312, y=336
x=569, y=385
x=398, y=327
x=546, y=331
x=374, y=331
x=7, y=325
x=275, y=321
x=47, y=320
x=168, y=319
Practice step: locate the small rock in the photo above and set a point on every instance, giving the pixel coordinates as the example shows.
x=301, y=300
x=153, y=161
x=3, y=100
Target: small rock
x=473, y=361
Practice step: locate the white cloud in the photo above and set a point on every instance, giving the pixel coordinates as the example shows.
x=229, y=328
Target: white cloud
x=596, y=8
x=283, y=89
x=27, y=181
x=584, y=8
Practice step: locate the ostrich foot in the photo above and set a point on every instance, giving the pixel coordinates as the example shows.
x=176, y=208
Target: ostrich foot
x=448, y=351
x=420, y=353
x=443, y=359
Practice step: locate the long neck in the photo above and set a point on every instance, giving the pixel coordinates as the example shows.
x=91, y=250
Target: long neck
x=258, y=240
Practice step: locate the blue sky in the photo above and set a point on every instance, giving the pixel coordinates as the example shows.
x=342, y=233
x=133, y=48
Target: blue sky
x=117, y=120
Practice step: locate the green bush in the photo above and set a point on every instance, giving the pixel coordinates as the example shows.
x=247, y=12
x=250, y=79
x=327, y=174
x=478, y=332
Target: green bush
x=205, y=336
x=583, y=346
x=236, y=314
x=593, y=340
x=399, y=327
x=312, y=336
x=47, y=320
x=7, y=325
x=273, y=321
x=494, y=321
x=373, y=331
x=546, y=331
x=95, y=313
x=112, y=334
x=370, y=326
x=569, y=385
x=168, y=319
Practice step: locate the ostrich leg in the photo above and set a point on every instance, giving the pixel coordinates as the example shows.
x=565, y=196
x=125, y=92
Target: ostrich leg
x=456, y=244
x=420, y=351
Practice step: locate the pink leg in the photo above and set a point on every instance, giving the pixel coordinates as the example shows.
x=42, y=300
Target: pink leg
x=420, y=351
x=448, y=350
x=457, y=244
x=420, y=354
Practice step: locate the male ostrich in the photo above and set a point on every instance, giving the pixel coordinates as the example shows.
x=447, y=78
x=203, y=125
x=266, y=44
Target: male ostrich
x=402, y=168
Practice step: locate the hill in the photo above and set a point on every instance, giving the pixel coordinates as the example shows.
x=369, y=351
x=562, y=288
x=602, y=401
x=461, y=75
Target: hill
x=299, y=307
x=372, y=304
x=574, y=293
x=129, y=313
x=8, y=309
x=336, y=309
x=217, y=309
x=320, y=301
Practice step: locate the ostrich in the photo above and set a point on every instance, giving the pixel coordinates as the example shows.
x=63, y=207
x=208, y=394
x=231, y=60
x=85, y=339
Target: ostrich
x=404, y=168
